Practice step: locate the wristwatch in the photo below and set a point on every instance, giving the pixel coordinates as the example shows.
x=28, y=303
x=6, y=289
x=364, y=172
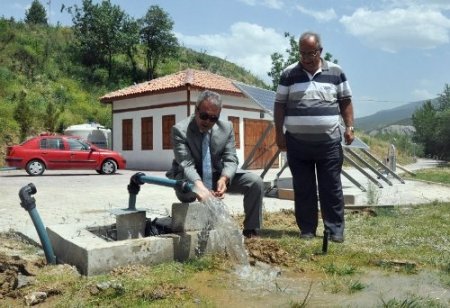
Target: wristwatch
x=351, y=128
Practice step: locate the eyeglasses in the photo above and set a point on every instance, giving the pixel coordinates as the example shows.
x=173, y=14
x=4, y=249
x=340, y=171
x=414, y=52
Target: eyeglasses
x=205, y=116
x=309, y=54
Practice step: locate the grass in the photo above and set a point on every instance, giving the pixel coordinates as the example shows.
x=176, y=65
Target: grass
x=437, y=175
x=392, y=240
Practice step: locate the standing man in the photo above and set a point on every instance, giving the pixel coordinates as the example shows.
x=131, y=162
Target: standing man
x=205, y=154
x=311, y=96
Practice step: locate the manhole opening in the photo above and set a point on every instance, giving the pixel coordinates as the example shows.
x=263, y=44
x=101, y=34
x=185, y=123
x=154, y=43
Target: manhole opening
x=153, y=227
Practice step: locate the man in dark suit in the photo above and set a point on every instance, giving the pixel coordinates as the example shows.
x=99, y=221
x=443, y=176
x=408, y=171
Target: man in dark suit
x=188, y=143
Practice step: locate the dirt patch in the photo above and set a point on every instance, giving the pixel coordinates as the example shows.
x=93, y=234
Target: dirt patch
x=267, y=251
x=19, y=263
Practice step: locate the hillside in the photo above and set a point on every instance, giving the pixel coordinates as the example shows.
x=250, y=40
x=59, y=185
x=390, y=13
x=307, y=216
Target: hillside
x=44, y=86
x=401, y=115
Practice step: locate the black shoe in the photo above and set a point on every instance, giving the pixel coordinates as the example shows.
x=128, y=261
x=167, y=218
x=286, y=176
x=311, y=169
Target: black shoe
x=307, y=235
x=250, y=233
x=337, y=238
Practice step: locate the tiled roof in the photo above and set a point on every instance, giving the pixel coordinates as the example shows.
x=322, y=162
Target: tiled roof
x=195, y=78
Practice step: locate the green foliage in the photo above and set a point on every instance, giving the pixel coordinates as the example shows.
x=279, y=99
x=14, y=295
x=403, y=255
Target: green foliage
x=23, y=116
x=157, y=37
x=44, y=85
x=279, y=63
x=100, y=33
x=436, y=175
x=432, y=129
x=36, y=14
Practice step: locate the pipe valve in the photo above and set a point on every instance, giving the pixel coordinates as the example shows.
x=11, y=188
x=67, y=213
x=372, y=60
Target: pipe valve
x=25, y=194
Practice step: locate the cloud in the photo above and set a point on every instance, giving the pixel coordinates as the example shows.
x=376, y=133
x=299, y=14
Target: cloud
x=399, y=28
x=273, y=4
x=248, y=45
x=422, y=94
x=320, y=16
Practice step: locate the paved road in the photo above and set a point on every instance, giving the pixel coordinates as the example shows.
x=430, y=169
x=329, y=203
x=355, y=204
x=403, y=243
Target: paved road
x=87, y=198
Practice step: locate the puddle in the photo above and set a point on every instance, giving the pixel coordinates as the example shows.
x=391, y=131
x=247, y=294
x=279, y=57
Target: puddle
x=260, y=287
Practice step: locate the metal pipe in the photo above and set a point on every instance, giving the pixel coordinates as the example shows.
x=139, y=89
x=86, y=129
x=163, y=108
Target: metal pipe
x=29, y=204
x=326, y=234
x=140, y=178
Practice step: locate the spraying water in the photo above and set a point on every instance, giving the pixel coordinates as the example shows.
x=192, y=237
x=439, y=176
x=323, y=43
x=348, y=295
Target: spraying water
x=225, y=229
x=228, y=234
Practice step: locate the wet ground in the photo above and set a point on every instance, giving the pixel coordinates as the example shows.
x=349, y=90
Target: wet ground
x=269, y=282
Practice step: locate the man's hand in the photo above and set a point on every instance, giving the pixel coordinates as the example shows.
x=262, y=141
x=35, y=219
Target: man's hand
x=202, y=191
x=349, y=135
x=281, y=142
x=221, y=187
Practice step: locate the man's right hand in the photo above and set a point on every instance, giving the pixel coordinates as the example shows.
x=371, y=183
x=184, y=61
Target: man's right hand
x=202, y=191
x=281, y=142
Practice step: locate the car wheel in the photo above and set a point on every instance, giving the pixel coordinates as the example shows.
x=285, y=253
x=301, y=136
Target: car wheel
x=109, y=166
x=35, y=167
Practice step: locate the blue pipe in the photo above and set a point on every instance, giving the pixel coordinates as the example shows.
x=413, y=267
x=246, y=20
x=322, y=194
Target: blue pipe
x=29, y=204
x=140, y=178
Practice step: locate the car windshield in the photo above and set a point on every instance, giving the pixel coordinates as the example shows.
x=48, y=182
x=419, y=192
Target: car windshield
x=78, y=145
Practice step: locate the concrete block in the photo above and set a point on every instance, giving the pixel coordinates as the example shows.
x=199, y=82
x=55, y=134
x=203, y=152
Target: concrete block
x=131, y=225
x=93, y=255
x=192, y=216
x=193, y=244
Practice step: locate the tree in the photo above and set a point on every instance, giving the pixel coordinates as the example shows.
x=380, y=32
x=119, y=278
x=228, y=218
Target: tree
x=130, y=41
x=157, y=37
x=98, y=29
x=293, y=55
x=444, y=99
x=23, y=115
x=52, y=115
x=36, y=15
x=432, y=129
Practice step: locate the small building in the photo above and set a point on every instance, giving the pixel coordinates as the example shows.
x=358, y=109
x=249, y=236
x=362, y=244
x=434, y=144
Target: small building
x=143, y=115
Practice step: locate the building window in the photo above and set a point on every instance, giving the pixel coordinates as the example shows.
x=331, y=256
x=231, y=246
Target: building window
x=147, y=133
x=235, y=122
x=167, y=122
x=127, y=134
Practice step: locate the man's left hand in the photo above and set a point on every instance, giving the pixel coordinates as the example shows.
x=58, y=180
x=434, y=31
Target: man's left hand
x=221, y=187
x=349, y=136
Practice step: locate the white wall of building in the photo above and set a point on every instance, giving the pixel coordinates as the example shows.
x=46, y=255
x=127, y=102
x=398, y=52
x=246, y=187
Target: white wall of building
x=159, y=159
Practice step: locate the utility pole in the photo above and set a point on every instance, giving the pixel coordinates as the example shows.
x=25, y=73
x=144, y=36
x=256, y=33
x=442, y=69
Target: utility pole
x=49, y=3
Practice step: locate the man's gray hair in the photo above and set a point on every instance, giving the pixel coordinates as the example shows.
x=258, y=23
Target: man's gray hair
x=309, y=34
x=210, y=96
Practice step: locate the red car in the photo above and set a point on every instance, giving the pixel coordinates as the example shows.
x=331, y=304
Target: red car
x=62, y=152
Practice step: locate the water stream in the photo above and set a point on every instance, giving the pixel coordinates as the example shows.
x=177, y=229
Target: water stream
x=226, y=230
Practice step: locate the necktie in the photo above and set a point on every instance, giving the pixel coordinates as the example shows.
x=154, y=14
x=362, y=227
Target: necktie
x=206, y=161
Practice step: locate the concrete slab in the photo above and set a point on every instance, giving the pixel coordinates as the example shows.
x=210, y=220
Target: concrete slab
x=93, y=254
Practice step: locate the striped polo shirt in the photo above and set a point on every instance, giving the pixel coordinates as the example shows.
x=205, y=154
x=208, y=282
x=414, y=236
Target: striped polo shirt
x=312, y=102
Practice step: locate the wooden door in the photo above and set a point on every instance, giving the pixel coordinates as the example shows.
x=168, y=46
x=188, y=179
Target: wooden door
x=264, y=148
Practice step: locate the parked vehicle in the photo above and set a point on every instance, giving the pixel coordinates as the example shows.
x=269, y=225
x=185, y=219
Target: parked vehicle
x=93, y=133
x=60, y=152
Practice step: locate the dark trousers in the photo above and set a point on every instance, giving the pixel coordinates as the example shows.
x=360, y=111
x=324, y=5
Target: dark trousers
x=251, y=186
x=309, y=162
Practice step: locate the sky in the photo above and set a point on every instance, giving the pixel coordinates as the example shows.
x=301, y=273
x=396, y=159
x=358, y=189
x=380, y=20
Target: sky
x=393, y=52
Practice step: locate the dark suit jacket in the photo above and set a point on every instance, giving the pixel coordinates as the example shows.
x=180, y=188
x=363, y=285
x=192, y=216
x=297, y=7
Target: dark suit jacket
x=187, y=146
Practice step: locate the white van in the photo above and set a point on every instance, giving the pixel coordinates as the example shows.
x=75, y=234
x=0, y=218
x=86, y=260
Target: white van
x=92, y=132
